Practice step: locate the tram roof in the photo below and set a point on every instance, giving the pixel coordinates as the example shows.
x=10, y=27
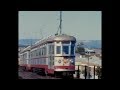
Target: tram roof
x=62, y=37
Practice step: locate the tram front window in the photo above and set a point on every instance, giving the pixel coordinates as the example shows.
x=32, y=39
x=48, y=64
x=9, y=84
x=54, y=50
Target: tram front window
x=72, y=42
x=58, y=49
x=65, y=49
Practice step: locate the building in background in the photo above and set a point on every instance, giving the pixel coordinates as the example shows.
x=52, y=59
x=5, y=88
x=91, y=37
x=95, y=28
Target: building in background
x=82, y=61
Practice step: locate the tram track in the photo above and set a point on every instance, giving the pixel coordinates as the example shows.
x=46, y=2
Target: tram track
x=30, y=75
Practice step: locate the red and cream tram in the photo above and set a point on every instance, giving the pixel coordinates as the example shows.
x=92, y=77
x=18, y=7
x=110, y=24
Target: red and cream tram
x=54, y=55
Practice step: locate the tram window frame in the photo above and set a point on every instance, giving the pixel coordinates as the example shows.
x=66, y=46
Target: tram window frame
x=73, y=42
x=36, y=52
x=65, y=42
x=51, y=49
x=57, y=49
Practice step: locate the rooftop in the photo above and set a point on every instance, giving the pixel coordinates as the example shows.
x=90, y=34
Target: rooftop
x=92, y=59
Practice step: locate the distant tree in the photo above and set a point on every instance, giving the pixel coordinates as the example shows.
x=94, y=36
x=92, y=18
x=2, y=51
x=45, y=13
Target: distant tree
x=99, y=72
x=80, y=49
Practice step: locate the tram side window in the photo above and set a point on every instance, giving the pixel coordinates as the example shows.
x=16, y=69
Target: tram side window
x=51, y=49
x=29, y=55
x=45, y=50
x=65, y=49
x=36, y=52
x=25, y=55
x=72, y=49
x=33, y=53
x=58, y=49
x=39, y=52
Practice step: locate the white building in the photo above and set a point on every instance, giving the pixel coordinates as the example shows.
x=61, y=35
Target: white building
x=92, y=59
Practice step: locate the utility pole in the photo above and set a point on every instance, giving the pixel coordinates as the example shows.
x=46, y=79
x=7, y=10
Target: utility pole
x=94, y=71
x=85, y=71
x=78, y=73
x=88, y=67
x=60, y=22
x=60, y=26
x=31, y=41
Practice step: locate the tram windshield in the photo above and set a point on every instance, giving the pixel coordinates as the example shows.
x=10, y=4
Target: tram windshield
x=65, y=49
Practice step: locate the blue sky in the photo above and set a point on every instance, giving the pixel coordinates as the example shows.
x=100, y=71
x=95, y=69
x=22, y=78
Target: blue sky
x=84, y=25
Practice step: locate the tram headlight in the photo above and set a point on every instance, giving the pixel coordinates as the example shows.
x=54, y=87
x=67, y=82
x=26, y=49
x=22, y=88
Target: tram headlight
x=71, y=61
